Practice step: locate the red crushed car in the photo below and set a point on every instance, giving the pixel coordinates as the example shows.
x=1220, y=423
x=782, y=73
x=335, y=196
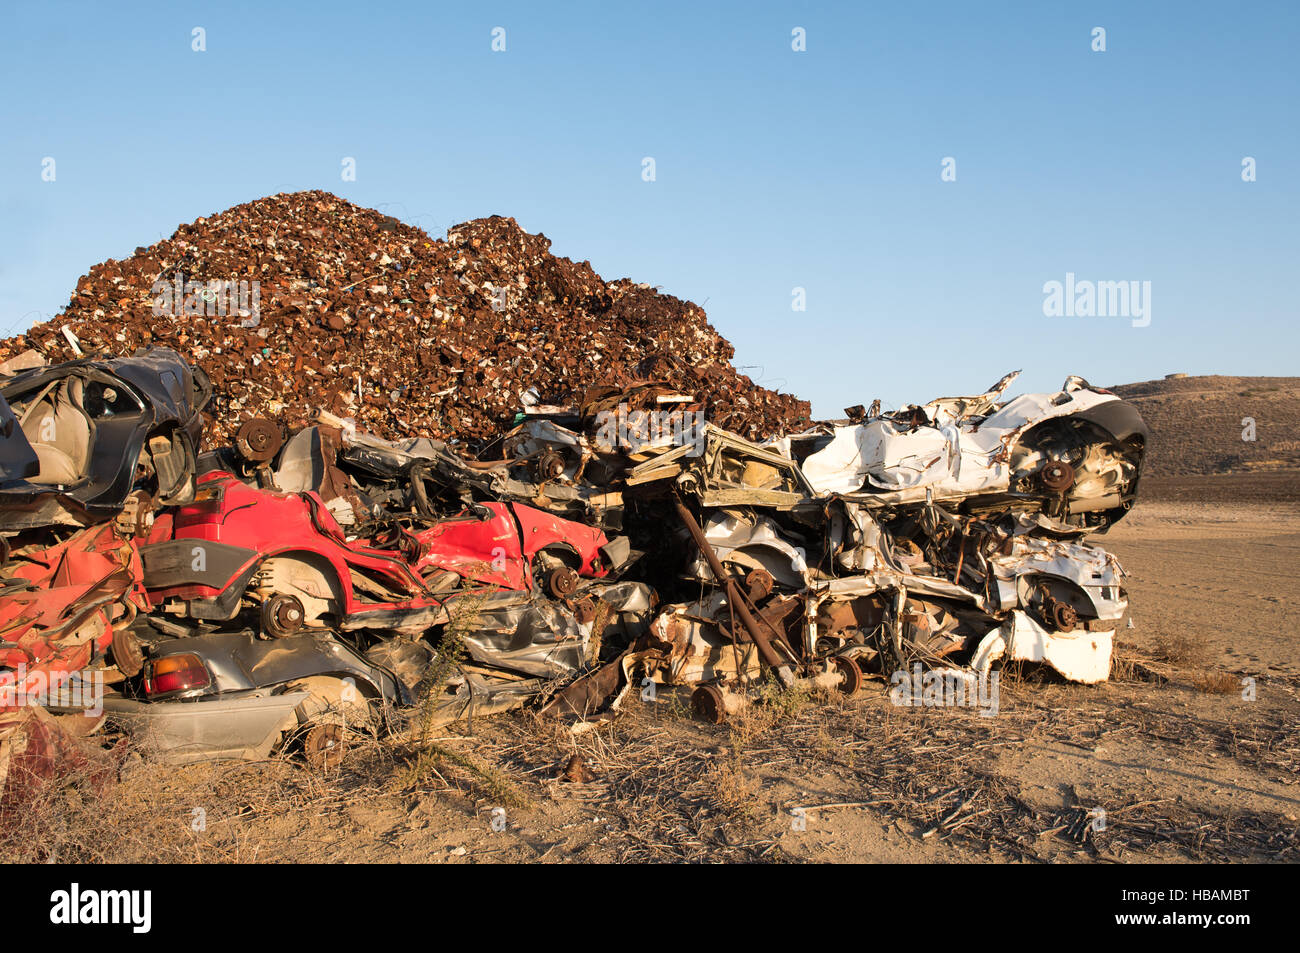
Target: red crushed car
x=237, y=545
x=63, y=606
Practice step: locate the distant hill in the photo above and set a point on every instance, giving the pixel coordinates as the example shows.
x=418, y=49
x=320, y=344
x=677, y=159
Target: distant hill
x=1196, y=424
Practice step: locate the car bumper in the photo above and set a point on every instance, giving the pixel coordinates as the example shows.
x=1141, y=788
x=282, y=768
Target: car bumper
x=243, y=728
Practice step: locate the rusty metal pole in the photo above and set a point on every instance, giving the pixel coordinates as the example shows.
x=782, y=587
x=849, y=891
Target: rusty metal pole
x=765, y=650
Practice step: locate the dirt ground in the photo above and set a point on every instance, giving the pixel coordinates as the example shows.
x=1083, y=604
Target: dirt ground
x=1175, y=759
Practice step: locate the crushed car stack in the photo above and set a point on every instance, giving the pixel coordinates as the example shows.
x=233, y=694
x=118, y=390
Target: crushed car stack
x=295, y=584
x=304, y=301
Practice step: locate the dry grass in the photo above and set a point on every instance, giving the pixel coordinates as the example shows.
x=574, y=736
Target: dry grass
x=1178, y=660
x=154, y=814
x=663, y=787
x=770, y=705
x=449, y=768
x=733, y=788
x=230, y=812
x=1217, y=683
x=1181, y=650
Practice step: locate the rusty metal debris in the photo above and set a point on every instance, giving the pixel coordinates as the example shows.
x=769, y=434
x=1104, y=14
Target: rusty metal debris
x=548, y=490
x=378, y=322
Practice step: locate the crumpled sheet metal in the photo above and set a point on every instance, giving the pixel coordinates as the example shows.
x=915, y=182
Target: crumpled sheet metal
x=688, y=644
x=1096, y=572
x=472, y=695
x=87, y=422
x=948, y=457
x=616, y=424
x=1080, y=656
x=987, y=563
x=469, y=480
x=684, y=647
x=533, y=438
x=62, y=604
x=753, y=542
x=886, y=581
x=723, y=470
x=533, y=635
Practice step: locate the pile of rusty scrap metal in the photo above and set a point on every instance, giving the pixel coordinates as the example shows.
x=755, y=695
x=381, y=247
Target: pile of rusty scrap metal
x=303, y=301
x=294, y=587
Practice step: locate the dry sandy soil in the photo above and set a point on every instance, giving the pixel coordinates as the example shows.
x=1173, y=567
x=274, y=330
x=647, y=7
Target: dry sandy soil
x=1185, y=764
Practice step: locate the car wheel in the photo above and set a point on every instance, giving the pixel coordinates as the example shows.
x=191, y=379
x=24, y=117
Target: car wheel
x=325, y=746
x=282, y=616
x=127, y=653
x=561, y=582
x=333, y=716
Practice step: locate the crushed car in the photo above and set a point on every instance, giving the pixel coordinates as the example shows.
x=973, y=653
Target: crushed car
x=66, y=607
x=813, y=584
x=99, y=431
x=286, y=555
x=232, y=695
x=1075, y=454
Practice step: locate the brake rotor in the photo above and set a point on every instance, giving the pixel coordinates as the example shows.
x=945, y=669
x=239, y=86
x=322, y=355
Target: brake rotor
x=1057, y=476
x=708, y=704
x=324, y=747
x=283, y=615
x=1064, y=617
x=259, y=439
x=128, y=656
x=550, y=466
x=561, y=582
x=850, y=674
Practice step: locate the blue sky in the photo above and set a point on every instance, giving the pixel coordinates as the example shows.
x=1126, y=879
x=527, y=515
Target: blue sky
x=775, y=169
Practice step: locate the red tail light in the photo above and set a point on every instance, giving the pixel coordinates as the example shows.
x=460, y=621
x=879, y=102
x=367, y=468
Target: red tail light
x=175, y=673
x=208, y=505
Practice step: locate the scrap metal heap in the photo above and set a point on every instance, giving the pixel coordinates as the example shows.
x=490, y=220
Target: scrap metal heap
x=348, y=310
x=268, y=530
x=296, y=586
x=948, y=535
